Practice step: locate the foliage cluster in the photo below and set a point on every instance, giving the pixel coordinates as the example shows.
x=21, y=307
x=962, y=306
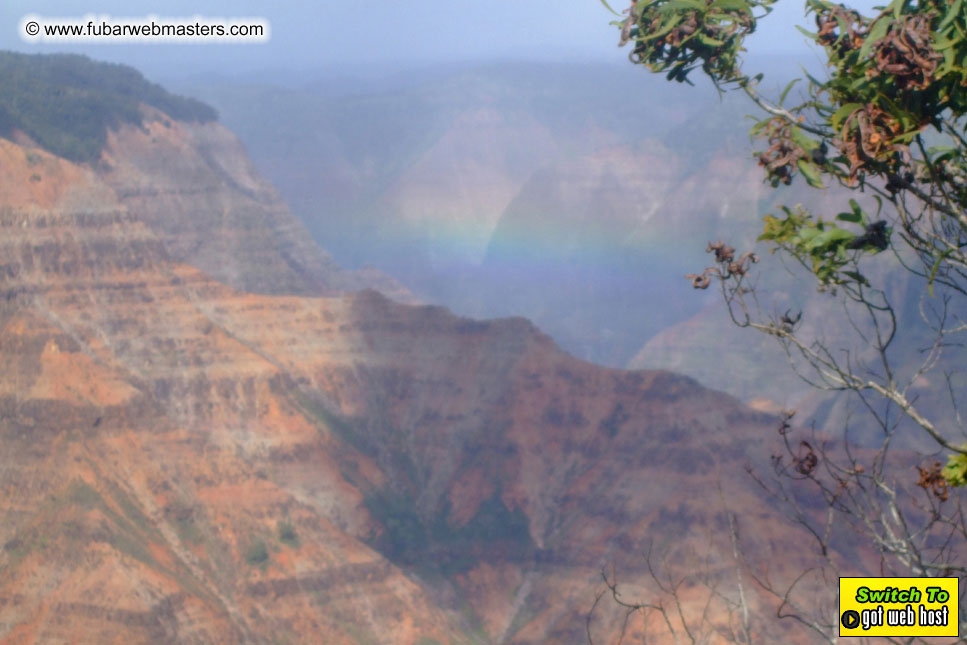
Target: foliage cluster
x=67, y=103
x=888, y=120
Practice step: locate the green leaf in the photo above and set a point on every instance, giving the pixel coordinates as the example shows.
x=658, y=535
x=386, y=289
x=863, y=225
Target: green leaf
x=807, y=234
x=855, y=215
x=665, y=28
x=859, y=83
x=897, y=7
x=732, y=5
x=708, y=41
x=952, y=13
x=678, y=5
x=801, y=139
x=840, y=115
x=936, y=267
x=879, y=207
x=849, y=217
x=608, y=7
x=810, y=173
x=877, y=31
x=939, y=153
x=785, y=92
x=829, y=236
x=841, y=24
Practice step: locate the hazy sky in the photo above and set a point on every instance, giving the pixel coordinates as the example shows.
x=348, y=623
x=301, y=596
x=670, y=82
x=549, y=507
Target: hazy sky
x=313, y=35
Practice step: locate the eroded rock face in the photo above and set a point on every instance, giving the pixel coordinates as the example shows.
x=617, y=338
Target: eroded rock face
x=138, y=503
x=182, y=460
x=195, y=187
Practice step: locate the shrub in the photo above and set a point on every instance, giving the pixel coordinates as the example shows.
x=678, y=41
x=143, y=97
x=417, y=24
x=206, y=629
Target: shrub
x=257, y=553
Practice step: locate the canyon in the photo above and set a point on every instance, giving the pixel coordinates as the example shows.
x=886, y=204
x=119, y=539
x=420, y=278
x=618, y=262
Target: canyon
x=578, y=196
x=212, y=432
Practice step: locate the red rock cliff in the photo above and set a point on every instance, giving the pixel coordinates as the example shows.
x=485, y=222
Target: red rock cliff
x=184, y=460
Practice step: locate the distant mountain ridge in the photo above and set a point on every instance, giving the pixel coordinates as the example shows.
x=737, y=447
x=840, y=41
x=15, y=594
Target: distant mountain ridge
x=576, y=196
x=468, y=183
x=416, y=179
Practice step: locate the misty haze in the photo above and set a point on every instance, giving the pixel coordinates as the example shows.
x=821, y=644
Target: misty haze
x=437, y=322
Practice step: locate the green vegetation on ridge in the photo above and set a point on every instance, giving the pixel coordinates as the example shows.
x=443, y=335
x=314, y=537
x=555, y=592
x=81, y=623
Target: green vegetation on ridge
x=66, y=102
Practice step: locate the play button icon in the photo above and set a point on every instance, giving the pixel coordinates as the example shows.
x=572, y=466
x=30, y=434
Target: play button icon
x=850, y=619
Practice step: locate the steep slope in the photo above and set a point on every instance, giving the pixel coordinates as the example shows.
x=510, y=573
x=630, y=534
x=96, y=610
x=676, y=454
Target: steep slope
x=195, y=187
x=214, y=462
x=189, y=180
x=184, y=461
x=121, y=476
